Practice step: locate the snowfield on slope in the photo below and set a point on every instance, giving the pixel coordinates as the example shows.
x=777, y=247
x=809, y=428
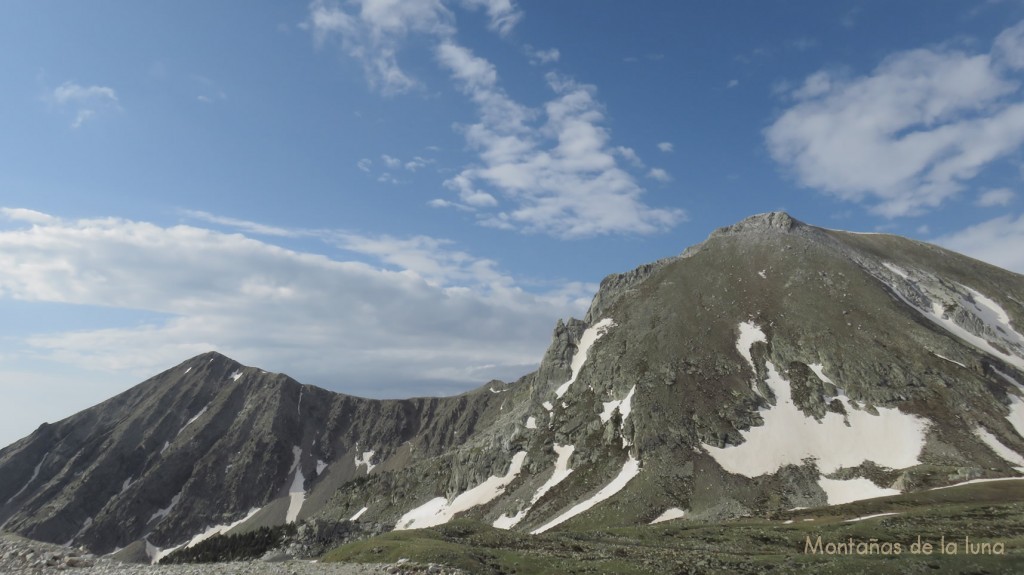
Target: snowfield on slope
x=630, y=469
x=590, y=335
x=439, y=510
x=788, y=436
x=296, y=492
x=560, y=472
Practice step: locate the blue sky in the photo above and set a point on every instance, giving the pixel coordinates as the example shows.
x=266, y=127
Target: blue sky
x=400, y=197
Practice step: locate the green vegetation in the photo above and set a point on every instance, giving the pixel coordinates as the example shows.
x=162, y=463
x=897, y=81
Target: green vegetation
x=988, y=513
x=240, y=547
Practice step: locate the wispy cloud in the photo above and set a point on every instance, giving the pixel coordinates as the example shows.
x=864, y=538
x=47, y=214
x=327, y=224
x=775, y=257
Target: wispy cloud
x=85, y=101
x=364, y=164
x=666, y=146
x=407, y=310
x=908, y=136
x=538, y=57
x=659, y=174
x=997, y=197
x=996, y=241
x=561, y=177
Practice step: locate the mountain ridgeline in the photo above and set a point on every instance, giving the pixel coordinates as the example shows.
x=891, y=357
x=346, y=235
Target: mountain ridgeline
x=775, y=365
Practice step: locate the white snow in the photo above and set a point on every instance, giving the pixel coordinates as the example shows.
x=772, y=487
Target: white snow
x=670, y=514
x=320, y=466
x=439, y=510
x=236, y=375
x=856, y=519
x=762, y=274
x=166, y=445
x=189, y=369
x=195, y=417
x=897, y=270
x=531, y=422
x=624, y=405
x=947, y=359
x=1005, y=453
x=297, y=492
x=547, y=405
x=166, y=510
x=358, y=514
x=124, y=486
x=560, y=472
x=35, y=473
x=973, y=481
x=987, y=310
x=630, y=469
x=219, y=529
x=590, y=335
x=497, y=390
x=839, y=491
x=1016, y=417
x=364, y=459
x=891, y=438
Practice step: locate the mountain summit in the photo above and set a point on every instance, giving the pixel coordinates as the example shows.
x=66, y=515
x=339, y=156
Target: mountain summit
x=775, y=365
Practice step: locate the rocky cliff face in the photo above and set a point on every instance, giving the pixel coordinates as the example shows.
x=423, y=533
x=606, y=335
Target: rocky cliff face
x=775, y=365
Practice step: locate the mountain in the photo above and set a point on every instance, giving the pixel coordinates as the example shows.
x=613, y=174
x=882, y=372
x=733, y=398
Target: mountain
x=775, y=365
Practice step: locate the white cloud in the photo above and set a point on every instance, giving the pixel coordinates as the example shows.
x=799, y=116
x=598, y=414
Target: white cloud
x=503, y=13
x=997, y=197
x=415, y=317
x=364, y=164
x=561, y=177
x=239, y=224
x=1009, y=46
x=539, y=57
x=908, y=136
x=417, y=163
x=630, y=155
x=996, y=241
x=732, y=83
x=659, y=174
x=70, y=92
x=25, y=215
x=391, y=162
x=85, y=100
x=665, y=146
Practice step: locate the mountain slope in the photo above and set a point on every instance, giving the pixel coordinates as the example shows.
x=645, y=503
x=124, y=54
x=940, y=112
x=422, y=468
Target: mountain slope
x=775, y=365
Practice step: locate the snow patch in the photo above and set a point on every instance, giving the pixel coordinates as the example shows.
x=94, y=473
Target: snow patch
x=188, y=370
x=219, y=529
x=624, y=406
x=236, y=375
x=296, y=492
x=364, y=459
x=166, y=510
x=670, y=514
x=166, y=445
x=560, y=472
x=1005, y=453
x=787, y=436
x=590, y=335
x=35, y=474
x=547, y=405
x=531, y=422
x=897, y=270
x=124, y=486
x=439, y=510
x=1016, y=417
x=762, y=274
x=973, y=481
x=358, y=514
x=497, y=390
x=876, y=515
x=630, y=469
x=320, y=466
x=947, y=359
x=195, y=417
x=839, y=491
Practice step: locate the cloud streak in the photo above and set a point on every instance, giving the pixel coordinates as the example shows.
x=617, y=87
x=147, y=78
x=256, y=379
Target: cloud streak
x=409, y=317
x=912, y=133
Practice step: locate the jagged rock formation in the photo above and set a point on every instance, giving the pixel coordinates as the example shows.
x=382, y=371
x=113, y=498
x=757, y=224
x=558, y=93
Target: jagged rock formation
x=775, y=365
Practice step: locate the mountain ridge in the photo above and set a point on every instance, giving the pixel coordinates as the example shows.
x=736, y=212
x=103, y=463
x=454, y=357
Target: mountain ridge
x=659, y=403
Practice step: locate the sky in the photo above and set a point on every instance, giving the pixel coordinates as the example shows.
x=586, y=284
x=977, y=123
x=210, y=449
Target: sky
x=395, y=198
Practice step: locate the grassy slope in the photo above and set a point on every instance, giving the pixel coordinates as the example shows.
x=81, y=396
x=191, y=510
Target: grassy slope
x=989, y=512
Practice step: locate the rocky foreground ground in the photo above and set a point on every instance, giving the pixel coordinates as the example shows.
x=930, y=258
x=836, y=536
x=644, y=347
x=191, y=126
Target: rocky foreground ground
x=19, y=555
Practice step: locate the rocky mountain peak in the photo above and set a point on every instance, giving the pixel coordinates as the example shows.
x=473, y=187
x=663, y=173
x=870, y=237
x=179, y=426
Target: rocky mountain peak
x=770, y=222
